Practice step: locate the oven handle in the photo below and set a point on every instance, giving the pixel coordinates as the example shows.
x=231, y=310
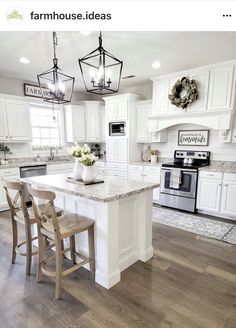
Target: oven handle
x=182, y=170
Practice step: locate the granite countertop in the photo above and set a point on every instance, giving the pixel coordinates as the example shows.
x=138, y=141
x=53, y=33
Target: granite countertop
x=213, y=168
x=113, y=188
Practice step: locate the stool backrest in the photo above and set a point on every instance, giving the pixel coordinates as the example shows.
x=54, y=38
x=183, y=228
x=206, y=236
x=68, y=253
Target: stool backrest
x=46, y=215
x=16, y=202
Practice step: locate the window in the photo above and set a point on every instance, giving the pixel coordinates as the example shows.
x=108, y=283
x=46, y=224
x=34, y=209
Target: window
x=46, y=131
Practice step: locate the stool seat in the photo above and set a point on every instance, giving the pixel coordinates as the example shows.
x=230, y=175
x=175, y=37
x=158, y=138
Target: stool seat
x=69, y=225
x=20, y=216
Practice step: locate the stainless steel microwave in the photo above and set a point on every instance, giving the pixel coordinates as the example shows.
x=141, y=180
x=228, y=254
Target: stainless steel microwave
x=117, y=129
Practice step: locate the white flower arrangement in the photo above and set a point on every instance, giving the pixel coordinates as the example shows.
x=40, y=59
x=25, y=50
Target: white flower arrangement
x=77, y=150
x=87, y=159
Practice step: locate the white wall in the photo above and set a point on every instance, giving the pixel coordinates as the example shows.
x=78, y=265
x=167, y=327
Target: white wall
x=220, y=151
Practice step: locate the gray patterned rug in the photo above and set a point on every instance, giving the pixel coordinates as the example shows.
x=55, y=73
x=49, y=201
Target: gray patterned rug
x=197, y=224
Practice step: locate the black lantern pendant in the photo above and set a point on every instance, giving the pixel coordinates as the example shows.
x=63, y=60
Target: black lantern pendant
x=101, y=71
x=60, y=85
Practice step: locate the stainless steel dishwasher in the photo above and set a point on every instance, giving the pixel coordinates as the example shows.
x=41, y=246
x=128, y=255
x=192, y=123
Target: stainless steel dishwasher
x=31, y=171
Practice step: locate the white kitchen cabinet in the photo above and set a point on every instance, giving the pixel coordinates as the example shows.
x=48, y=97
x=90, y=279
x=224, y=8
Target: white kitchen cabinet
x=3, y=121
x=117, y=109
x=152, y=175
x=103, y=124
x=75, y=123
x=93, y=121
x=60, y=168
x=15, y=122
x=228, y=201
x=142, y=123
x=7, y=174
x=221, y=88
x=117, y=149
x=136, y=172
x=209, y=194
x=160, y=97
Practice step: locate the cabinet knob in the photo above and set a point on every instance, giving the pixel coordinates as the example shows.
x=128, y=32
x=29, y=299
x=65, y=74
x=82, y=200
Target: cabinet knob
x=10, y=137
x=6, y=137
x=226, y=185
x=220, y=184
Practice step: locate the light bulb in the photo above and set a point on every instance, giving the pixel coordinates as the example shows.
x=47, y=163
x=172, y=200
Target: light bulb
x=51, y=86
x=61, y=86
x=92, y=72
x=100, y=72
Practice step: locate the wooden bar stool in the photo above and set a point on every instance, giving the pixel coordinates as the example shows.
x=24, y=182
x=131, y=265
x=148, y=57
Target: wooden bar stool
x=57, y=229
x=21, y=214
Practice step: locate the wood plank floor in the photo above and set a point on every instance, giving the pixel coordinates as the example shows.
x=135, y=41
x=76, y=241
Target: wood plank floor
x=189, y=283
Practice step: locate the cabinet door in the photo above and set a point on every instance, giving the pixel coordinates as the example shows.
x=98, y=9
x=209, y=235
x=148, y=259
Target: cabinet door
x=78, y=123
x=220, y=88
x=93, y=122
x=229, y=199
x=3, y=122
x=142, y=127
x=3, y=199
x=160, y=97
x=122, y=109
x=153, y=178
x=110, y=150
x=111, y=110
x=18, y=117
x=209, y=194
x=102, y=125
x=121, y=150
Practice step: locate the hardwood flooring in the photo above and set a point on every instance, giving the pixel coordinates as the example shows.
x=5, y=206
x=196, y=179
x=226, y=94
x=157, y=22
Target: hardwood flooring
x=189, y=283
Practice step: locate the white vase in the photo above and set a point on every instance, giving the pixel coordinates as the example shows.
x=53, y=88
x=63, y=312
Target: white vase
x=89, y=173
x=78, y=169
x=153, y=158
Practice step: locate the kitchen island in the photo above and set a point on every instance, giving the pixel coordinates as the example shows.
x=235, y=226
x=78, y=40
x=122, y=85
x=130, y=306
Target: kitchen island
x=122, y=211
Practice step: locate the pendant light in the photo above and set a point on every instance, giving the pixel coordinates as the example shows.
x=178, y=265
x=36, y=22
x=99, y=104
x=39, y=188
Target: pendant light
x=101, y=71
x=60, y=85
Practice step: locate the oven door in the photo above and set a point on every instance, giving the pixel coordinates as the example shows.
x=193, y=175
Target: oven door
x=187, y=187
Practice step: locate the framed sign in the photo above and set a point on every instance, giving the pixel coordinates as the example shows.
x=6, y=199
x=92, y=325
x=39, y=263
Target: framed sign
x=193, y=137
x=35, y=91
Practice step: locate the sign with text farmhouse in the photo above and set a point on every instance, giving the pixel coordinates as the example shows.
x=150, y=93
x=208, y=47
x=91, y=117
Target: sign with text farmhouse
x=193, y=137
x=35, y=91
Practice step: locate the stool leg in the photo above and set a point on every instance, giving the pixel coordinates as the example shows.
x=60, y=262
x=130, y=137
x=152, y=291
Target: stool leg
x=14, y=240
x=72, y=249
x=41, y=251
x=91, y=249
x=28, y=247
x=58, y=269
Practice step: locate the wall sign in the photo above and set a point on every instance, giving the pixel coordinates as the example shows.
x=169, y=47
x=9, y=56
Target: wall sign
x=35, y=91
x=193, y=137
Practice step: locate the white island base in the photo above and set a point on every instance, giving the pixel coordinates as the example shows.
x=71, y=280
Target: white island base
x=123, y=232
x=122, y=211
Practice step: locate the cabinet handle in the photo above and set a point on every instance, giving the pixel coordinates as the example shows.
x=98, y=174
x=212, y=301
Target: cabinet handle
x=10, y=137
x=6, y=137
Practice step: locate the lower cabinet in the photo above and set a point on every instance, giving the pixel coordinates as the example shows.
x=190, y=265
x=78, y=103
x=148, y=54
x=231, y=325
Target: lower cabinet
x=7, y=174
x=146, y=174
x=217, y=194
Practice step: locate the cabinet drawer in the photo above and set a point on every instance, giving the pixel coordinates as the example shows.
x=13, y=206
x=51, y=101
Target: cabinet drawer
x=136, y=168
x=60, y=167
x=210, y=175
x=152, y=169
x=230, y=176
x=117, y=166
x=116, y=173
x=9, y=172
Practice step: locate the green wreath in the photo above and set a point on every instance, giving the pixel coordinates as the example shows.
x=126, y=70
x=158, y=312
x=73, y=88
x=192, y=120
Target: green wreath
x=183, y=93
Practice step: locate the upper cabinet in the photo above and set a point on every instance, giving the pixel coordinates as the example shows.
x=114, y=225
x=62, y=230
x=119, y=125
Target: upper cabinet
x=15, y=122
x=215, y=84
x=85, y=122
x=117, y=109
x=75, y=123
x=143, y=113
x=220, y=88
x=160, y=97
x=93, y=121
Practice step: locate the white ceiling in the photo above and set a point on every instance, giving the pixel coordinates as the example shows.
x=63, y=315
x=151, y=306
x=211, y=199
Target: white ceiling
x=175, y=50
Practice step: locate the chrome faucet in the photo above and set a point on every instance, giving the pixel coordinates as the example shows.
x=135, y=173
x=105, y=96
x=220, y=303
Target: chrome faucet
x=52, y=154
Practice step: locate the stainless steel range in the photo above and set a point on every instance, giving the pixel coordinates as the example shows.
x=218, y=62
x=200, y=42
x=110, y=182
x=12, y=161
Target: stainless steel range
x=179, y=179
